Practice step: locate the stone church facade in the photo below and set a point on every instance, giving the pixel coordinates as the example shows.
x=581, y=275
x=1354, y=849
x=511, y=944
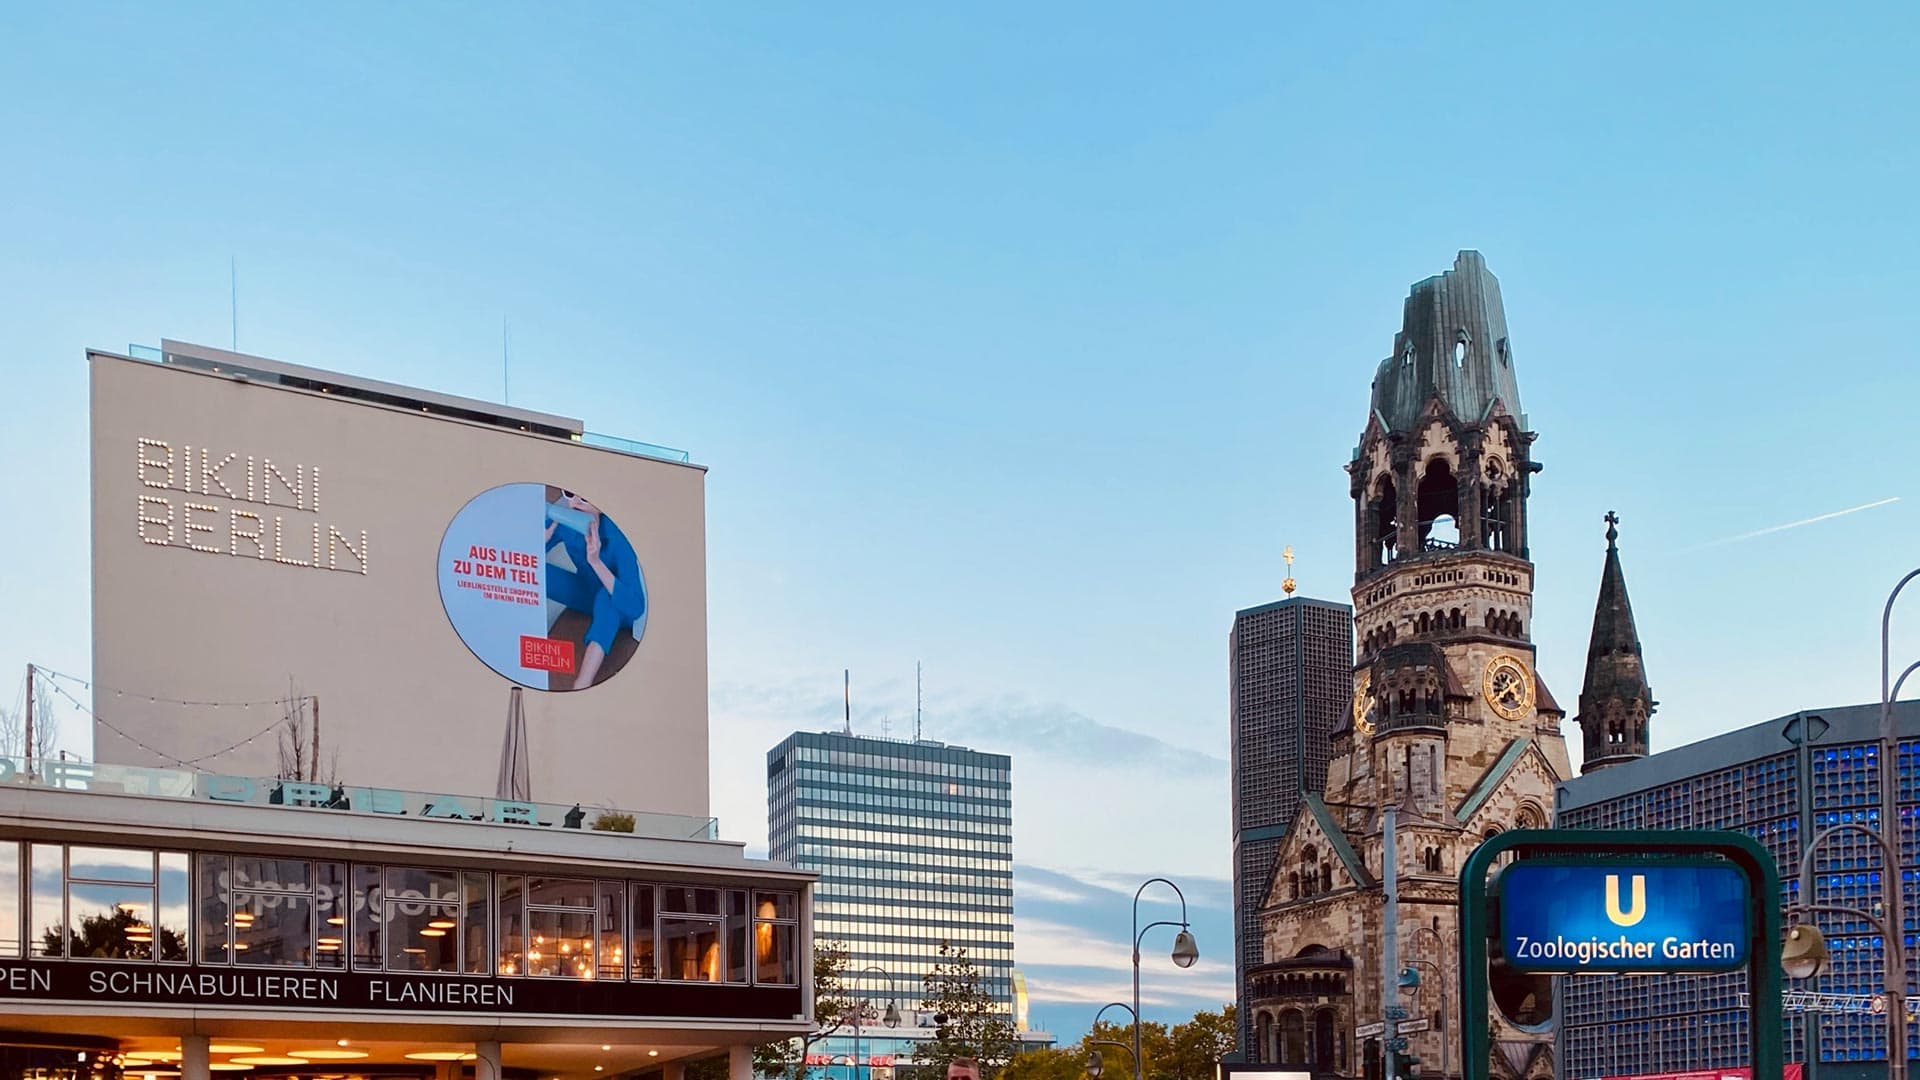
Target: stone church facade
x=1451, y=723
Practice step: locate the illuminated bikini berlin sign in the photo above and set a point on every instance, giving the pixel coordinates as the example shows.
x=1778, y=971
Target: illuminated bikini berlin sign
x=1624, y=916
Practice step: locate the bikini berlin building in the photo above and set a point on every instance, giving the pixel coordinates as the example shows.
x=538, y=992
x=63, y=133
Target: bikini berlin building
x=399, y=707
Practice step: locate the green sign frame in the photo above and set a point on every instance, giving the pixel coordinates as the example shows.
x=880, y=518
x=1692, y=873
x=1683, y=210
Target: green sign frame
x=1625, y=849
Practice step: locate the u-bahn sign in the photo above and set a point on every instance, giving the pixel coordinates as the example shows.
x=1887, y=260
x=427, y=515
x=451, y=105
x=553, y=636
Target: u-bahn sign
x=1624, y=915
x=1597, y=902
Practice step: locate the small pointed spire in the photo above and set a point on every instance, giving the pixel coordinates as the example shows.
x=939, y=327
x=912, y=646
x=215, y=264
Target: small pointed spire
x=1615, y=701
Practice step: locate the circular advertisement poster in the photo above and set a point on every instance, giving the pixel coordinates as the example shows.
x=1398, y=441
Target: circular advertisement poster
x=543, y=586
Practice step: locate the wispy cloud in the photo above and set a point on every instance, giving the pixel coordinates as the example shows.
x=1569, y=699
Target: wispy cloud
x=1815, y=520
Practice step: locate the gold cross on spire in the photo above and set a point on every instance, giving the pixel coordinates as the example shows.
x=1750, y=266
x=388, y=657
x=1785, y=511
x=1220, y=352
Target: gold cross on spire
x=1288, y=585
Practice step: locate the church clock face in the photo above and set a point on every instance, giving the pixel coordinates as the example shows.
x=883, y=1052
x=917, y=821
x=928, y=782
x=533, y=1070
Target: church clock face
x=1363, y=705
x=1508, y=687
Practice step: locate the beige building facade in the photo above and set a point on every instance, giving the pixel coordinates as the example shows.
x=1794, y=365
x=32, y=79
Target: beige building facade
x=275, y=542
x=1451, y=725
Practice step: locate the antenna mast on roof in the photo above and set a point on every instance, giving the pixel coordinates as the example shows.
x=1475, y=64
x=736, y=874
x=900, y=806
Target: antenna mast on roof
x=916, y=701
x=846, y=689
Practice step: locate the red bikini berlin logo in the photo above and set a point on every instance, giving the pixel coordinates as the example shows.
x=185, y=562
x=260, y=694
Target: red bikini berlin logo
x=546, y=654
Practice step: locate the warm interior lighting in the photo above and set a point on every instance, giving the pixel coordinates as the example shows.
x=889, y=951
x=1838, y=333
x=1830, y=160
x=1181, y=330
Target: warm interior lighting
x=431, y=932
x=269, y=1059
x=228, y=1066
x=325, y=941
x=336, y=920
x=606, y=1046
x=442, y=924
x=235, y=1048
x=153, y=1055
x=342, y=1042
x=328, y=1054
x=653, y=1053
x=441, y=1055
x=414, y=952
x=241, y=946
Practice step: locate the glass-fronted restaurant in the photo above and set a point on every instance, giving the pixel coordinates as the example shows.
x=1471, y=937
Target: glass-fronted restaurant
x=166, y=924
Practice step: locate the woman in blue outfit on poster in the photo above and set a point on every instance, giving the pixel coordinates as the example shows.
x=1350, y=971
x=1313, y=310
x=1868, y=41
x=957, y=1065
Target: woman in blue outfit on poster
x=607, y=585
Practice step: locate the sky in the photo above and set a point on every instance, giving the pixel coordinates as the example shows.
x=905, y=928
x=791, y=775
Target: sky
x=1020, y=339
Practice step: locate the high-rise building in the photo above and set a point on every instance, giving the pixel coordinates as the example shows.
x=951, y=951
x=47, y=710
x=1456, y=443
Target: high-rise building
x=1452, y=735
x=1784, y=782
x=1290, y=667
x=913, y=842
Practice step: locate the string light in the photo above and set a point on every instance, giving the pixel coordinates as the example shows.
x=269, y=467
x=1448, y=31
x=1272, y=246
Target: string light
x=270, y=729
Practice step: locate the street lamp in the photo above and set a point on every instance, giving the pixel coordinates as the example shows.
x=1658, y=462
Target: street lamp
x=1439, y=979
x=891, y=1018
x=1094, y=1063
x=1890, y=890
x=1185, y=952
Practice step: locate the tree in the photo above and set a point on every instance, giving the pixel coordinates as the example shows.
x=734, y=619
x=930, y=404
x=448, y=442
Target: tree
x=112, y=937
x=1045, y=1065
x=1200, y=1043
x=831, y=1004
x=975, y=1027
x=300, y=741
x=46, y=725
x=1188, y=1052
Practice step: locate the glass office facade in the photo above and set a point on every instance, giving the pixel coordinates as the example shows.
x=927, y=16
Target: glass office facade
x=1751, y=781
x=913, y=842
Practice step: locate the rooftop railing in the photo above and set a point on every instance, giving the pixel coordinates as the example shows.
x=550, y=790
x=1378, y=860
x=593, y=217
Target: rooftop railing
x=310, y=796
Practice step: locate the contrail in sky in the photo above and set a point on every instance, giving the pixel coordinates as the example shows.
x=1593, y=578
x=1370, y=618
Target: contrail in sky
x=1795, y=524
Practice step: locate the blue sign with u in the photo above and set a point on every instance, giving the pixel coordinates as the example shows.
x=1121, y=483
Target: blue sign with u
x=1624, y=916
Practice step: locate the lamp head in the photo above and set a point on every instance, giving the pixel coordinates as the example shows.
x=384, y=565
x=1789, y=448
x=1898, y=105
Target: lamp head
x=1409, y=978
x=892, y=1017
x=1804, y=955
x=1094, y=1064
x=1185, y=949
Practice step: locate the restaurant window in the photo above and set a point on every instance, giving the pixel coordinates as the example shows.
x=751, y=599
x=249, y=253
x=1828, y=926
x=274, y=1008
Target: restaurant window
x=611, y=929
x=333, y=901
x=369, y=919
x=478, y=929
x=690, y=934
x=547, y=926
x=272, y=908
x=739, y=924
x=106, y=903
x=640, y=902
x=775, y=939
x=46, y=900
x=10, y=899
x=422, y=920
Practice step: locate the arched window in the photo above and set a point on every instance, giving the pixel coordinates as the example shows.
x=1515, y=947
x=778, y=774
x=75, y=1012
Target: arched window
x=1263, y=1037
x=1423, y=624
x=1293, y=1038
x=1456, y=620
x=1323, y=1049
x=1326, y=877
x=1438, y=497
x=1293, y=885
x=1385, y=516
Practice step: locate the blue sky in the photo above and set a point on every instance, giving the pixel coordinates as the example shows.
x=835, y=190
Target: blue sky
x=1020, y=341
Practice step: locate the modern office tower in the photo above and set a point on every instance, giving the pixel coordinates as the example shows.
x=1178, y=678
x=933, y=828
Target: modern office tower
x=1783, y=782
x=913, y=842
x=1290, y=666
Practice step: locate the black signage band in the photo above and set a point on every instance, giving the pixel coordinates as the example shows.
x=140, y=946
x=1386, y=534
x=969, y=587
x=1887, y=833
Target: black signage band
x=96, y=983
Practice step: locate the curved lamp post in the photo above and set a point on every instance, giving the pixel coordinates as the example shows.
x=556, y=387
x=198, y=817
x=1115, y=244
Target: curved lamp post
x=891, y=1018
x=1440, y=980
x=1095, y=1066
x=1185, y=952
x=1890, y=890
